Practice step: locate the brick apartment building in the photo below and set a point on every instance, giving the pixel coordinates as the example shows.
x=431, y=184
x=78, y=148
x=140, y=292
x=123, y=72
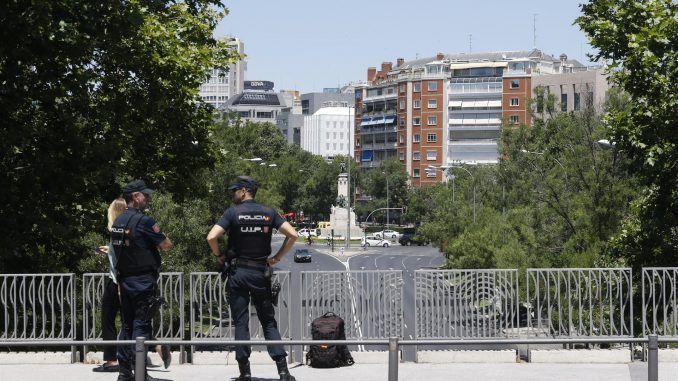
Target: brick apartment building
x=450, y=109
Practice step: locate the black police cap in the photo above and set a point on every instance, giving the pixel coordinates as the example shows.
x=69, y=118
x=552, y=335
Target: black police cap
x=244, y=182
x=136, y=186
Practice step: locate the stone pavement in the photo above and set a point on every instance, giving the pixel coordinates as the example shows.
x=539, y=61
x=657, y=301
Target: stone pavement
x=636, y=371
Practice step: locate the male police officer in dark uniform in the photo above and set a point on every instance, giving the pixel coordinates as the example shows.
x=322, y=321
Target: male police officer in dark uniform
x=249, y=226
x=136, y=239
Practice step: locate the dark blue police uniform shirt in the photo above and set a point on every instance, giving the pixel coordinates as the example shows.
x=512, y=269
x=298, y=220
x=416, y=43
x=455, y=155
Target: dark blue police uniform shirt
x=147, y=234
x=250, y=226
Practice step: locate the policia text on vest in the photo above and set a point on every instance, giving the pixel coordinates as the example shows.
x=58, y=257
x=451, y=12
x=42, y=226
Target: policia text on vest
x=248, y=261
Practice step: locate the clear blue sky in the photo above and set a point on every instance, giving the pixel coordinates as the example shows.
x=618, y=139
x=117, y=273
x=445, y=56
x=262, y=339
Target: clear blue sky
x=307, y=45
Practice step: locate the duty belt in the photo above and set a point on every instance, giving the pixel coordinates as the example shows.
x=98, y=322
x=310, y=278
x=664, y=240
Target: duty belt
x=250, y=263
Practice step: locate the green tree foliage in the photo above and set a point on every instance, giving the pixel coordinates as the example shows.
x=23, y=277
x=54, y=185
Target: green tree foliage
x=93, y=94
x=638, y=40
x=556, y=199
x=375, y=184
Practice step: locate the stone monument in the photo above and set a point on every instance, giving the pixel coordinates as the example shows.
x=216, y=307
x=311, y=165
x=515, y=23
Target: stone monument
x=341, y=212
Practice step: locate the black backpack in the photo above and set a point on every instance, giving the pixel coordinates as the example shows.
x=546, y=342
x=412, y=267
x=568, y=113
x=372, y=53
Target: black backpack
x=328, y=327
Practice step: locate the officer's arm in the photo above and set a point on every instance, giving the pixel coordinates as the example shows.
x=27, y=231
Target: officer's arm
x=290, y=237
x=213, y=239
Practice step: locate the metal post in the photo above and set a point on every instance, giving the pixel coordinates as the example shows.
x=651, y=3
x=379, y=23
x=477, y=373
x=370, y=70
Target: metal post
x=387, y=219
x=652, y=358
x=140, y=354
x=393, y=359
x=474, y=201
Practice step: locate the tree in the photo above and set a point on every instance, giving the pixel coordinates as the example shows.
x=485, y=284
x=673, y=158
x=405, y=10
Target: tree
x=93, y=95
x=638, y=40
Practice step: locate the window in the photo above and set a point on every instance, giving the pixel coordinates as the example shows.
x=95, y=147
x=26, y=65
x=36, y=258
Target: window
x=416, y=103
x=416, y=155
x=415, y=172
x=334, y=135
x=514, y=102
x=563, y=102
x=402, y=105
x=401, y=156
x=402, y=139
x=515, y=84
x=576, y=103
x=416, y=121
x=432, y=120
x=432, y=103
x=431, y=138
x=357, y=142
x=432, y=86
x=430, y=173
x=431, y=155
x=402, y=87
x=416, y=87
x=416, y=138
x=514, y=119
x=341, y=136
x=402, y=122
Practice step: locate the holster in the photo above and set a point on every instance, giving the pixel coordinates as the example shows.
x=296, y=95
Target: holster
x=228, y=267
x=273, y=286
x=154, y=305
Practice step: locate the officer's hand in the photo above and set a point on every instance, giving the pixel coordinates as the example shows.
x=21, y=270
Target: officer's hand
x=221, y=258
x=272, y=261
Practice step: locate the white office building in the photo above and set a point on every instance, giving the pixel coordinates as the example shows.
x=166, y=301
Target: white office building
x=222, y=86
x=329, y=131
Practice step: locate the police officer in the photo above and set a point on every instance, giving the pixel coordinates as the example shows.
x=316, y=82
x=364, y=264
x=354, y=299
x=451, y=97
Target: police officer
x=136, y=239
x=249, y=226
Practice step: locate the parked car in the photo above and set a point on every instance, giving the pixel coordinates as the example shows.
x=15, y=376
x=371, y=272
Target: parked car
x=387, y=234
x=371, y=240
x=307, y=232
x=412, y=239
x=302, y=255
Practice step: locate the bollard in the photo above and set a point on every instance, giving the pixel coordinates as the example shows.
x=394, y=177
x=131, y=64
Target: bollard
x=652, y=358
x=140, y=362
x=393, y=359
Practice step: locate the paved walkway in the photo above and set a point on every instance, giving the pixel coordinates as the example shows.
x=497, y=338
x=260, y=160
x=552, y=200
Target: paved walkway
x=360, y=372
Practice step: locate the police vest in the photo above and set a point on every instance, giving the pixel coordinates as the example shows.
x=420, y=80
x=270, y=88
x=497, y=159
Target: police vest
x=250, y=232
x=132, y=259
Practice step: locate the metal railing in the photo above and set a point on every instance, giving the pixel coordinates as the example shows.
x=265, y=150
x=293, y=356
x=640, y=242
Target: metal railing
x=465, y=303
x=660, y=300
x=393, y=344
x=580, y=302
x=371, y=301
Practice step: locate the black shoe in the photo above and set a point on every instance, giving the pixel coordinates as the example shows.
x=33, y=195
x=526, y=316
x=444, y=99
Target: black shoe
x=245, y=372
x=125, y=377
x=284, y=373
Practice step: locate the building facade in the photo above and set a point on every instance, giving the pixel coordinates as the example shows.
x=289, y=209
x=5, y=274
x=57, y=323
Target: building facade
x=329, y=131
x=450, y=109
x=220, y=86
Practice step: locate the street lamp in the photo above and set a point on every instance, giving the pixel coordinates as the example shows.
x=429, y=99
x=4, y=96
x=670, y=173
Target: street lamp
x=387, y=214
x=252, y=159
x=542, y=153
x=444, y=168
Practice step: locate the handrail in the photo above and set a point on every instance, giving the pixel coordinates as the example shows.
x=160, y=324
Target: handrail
x=394, y=343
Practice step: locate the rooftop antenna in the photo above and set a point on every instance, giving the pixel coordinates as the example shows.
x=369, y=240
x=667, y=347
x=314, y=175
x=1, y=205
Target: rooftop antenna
x=470, y=43
x=534, y=30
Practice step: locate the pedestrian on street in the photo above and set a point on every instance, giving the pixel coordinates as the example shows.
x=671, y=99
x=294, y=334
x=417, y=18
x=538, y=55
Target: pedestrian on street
x=249, y=226
x=136, y=238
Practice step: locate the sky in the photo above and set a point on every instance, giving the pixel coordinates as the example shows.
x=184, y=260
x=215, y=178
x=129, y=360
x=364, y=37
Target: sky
x=309, y=45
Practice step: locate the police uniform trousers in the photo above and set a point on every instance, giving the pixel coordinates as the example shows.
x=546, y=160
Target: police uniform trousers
x=136, y=291
x=243, y=283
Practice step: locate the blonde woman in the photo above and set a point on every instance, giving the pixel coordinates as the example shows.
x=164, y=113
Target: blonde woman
x=110, y=302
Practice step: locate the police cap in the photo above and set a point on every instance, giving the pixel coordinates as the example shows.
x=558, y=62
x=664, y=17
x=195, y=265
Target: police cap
x=136, y=186
x=244, y=182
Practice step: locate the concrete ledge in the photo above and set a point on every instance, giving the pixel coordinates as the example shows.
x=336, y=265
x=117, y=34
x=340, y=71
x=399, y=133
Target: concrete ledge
x=35, y=358
x=668, y=355
x=581, y=356
x=444, y=357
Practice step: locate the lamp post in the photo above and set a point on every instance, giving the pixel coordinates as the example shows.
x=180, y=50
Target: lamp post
x=444, y=169
x=387, y=214
x=542, y=153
